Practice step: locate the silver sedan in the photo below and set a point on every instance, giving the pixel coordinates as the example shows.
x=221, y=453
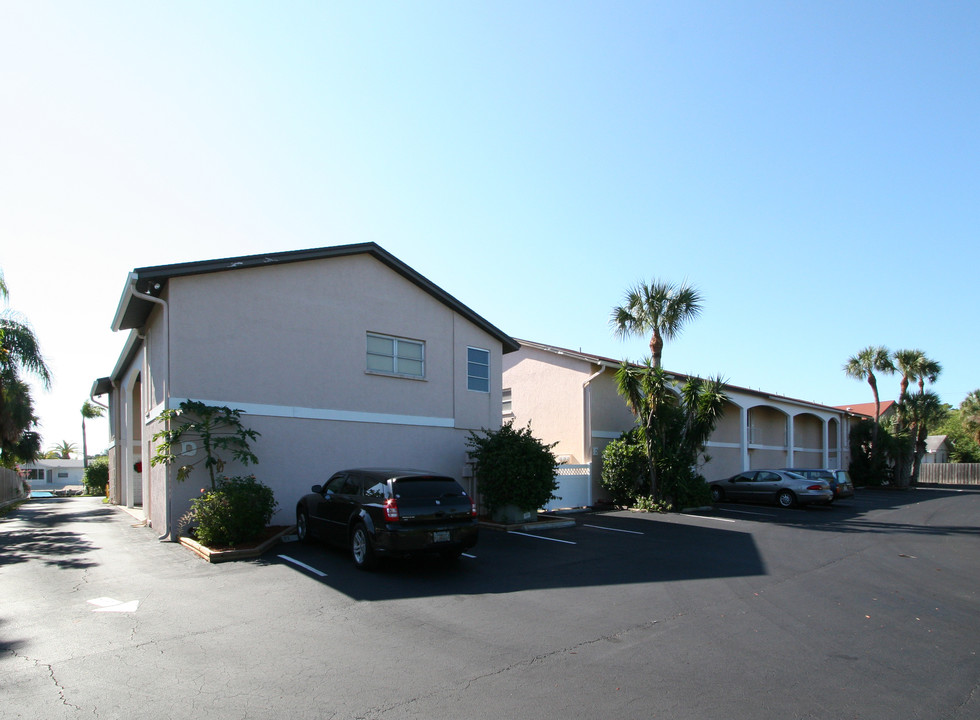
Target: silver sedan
x=782, y=487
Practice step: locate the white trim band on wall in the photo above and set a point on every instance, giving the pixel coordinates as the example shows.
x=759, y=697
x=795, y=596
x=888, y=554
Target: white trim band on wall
x=301, y=413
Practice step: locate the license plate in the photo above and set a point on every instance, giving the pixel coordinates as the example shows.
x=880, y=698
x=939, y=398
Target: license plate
x=441, y=536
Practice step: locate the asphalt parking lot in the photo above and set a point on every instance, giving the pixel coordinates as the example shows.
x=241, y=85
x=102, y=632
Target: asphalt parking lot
x=867, y=609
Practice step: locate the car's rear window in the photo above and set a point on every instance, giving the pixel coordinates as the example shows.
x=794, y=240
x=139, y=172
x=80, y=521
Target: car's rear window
x=418, y=487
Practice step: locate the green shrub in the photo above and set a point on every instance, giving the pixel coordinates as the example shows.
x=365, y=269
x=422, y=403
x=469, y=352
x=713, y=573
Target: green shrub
x=236, y=512
x=513, y=468
x=96, y=478
x=625, y=470
x=648, y=503
x=686, y=490
x=867, y=468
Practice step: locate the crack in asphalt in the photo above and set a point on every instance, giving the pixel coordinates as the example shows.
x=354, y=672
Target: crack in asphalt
x=50, y=673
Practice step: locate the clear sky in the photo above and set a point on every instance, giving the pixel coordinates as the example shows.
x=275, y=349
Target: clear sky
x=813, y=168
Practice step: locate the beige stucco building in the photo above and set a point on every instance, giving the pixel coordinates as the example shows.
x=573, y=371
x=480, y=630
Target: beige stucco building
x=570, y=398
x=339, y=357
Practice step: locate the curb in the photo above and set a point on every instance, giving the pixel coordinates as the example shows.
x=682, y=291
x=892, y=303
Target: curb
x=542, y=523
x=216, y=556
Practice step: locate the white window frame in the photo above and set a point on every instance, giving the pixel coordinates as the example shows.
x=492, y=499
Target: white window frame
x=396, y=371
x=471, y=363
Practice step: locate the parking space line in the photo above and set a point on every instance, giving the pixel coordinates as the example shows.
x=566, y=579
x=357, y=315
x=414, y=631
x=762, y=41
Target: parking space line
x=467, y=555
x=600, y=527
x=708, y=517
x=303, y=565
x=541, y=537
x=749, y=512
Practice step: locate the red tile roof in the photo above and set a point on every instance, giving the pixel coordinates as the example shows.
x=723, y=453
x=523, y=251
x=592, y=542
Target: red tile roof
x=866, y=409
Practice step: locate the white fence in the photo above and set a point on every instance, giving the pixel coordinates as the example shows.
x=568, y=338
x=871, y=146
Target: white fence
x=574, y=487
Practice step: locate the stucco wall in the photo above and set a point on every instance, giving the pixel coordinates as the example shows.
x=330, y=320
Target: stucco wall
x=548, y=393
x=729, y=428
x=609, y=411
x=295, y=454
x=287, y=344
x=295, y=335
x=807, y=432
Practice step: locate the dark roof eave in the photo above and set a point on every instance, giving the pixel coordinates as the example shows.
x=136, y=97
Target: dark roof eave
x=134, y=311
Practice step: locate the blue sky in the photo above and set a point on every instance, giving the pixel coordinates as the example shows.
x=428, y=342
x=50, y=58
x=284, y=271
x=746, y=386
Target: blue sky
x=812, y=168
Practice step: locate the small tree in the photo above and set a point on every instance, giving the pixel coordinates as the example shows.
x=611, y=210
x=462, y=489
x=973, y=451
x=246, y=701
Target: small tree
x=96, y=477
x=218, y=429
x=625, y=470
x=236, y=512
x=513, y=468
x=970, y=414
x=869, y=459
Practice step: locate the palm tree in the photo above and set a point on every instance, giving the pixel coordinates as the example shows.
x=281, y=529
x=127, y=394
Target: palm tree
x=907, y=363
x=64, y=449
x=19, y=442
x=660, y=308
x=89, y=411
x=923, y=411
x=863, y=366
x=674, y=426
x=19, y=351
x=914, y=365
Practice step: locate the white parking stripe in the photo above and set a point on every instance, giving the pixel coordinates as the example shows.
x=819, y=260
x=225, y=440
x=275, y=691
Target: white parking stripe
x=708, y=517
x=469, y=556
x=600, y=527
x=748, y=512
x=541, y=537
x=303, y=565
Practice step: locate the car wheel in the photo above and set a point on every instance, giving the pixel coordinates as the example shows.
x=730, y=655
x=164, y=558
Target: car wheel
x=361, y=550
x=717, y=494
x=302, y=526
x=786, y=499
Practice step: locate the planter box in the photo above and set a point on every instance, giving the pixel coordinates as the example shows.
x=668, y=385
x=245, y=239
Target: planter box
x=511, y=515
x=239, y=553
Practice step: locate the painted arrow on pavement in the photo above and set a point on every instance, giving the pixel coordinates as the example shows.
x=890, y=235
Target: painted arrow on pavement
x=107, y=604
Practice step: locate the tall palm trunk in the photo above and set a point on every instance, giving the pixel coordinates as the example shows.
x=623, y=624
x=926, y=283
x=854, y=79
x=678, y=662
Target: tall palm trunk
x=874, y=431
x=656, y=348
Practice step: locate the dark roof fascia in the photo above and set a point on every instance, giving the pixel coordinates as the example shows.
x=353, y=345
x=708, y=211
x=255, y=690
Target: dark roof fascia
x=134, y=311
x=615, y=364
x=102, y=386
x=134, y=343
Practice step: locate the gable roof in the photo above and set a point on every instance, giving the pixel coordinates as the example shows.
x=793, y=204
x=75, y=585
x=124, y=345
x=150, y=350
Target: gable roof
x=867, y=409
x=935, y=442
x=134, y=308
x=615, y=364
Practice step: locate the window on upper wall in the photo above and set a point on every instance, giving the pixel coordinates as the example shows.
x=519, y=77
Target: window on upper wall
x=478, y=370
x=395, y=356
x=508, y=402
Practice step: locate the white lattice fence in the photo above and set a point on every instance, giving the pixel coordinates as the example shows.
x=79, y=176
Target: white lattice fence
x=574, y=487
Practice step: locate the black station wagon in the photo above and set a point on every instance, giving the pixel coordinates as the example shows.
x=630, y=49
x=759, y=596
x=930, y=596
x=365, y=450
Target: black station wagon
x=381, y=511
